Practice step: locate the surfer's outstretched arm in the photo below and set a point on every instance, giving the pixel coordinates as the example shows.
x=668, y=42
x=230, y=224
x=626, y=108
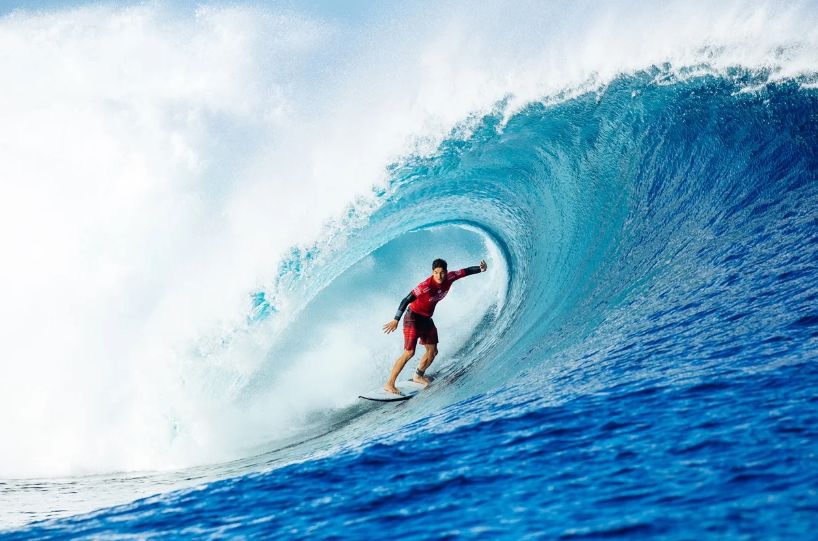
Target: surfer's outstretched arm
x=392, y=325
x=477, y=269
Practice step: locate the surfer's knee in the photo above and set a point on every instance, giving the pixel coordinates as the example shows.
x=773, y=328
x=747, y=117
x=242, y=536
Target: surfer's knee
x=409, y=353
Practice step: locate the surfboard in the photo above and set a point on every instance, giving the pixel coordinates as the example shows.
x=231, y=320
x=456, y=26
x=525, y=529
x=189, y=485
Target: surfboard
x=408, y=388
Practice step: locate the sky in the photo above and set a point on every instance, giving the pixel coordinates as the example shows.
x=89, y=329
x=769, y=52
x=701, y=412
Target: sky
x=333, y=9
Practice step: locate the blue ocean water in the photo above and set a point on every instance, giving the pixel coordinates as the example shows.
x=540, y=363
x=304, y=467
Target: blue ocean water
x=648, y=369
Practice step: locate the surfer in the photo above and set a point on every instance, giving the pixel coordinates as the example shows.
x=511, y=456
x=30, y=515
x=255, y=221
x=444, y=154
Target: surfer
x=418, y=322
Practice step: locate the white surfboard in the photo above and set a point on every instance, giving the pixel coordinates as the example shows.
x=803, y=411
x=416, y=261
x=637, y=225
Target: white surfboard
x=408, y=388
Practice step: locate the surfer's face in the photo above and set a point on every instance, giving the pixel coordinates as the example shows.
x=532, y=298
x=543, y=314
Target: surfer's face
x=439, y=274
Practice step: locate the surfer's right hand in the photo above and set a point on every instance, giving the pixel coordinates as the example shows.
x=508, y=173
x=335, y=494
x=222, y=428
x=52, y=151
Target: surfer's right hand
x=391, y=326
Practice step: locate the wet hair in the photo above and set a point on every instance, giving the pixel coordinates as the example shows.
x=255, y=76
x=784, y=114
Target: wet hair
x=438, y=264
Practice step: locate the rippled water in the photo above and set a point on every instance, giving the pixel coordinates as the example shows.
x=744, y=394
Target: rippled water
x=649, y=372
x=639, y=361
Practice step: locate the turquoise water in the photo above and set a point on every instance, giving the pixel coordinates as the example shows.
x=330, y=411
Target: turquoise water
x=642, y=364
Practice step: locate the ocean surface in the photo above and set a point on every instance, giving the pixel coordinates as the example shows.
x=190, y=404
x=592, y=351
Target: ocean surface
x=639, y=362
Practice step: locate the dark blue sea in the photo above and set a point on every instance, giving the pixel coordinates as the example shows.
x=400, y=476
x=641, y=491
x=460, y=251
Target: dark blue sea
x=640, y=361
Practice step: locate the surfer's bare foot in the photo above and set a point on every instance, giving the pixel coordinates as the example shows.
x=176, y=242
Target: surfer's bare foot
x=392, y=389
x=420, y=379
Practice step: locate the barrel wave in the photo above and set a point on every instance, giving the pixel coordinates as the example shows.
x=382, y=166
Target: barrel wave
x=639, y=361
x=649, y=368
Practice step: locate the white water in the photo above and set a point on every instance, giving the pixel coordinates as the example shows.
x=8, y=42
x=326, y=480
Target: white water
x=156, y=163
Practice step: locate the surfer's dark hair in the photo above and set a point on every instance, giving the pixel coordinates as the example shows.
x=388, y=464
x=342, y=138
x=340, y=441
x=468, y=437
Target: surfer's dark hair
x=439, y=264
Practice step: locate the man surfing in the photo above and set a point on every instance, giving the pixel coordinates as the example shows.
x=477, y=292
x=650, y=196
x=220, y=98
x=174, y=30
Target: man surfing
x=418, y=324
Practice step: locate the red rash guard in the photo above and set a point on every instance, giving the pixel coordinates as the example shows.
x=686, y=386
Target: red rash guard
x=428, y=293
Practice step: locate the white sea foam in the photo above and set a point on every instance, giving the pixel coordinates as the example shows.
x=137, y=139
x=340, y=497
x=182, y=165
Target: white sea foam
x=156, y=164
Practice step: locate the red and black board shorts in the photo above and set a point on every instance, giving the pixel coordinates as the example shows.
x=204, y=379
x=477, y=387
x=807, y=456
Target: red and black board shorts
x=416, y=326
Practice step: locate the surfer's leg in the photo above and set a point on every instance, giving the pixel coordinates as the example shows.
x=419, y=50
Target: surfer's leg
x=399, y=364
x=425, y=362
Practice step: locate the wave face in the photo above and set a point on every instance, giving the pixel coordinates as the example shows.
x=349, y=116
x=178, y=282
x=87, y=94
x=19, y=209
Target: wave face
x=658, y=334
x=638, y=362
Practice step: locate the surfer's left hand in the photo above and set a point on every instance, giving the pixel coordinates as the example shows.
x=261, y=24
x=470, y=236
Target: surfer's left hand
x=483, y=266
